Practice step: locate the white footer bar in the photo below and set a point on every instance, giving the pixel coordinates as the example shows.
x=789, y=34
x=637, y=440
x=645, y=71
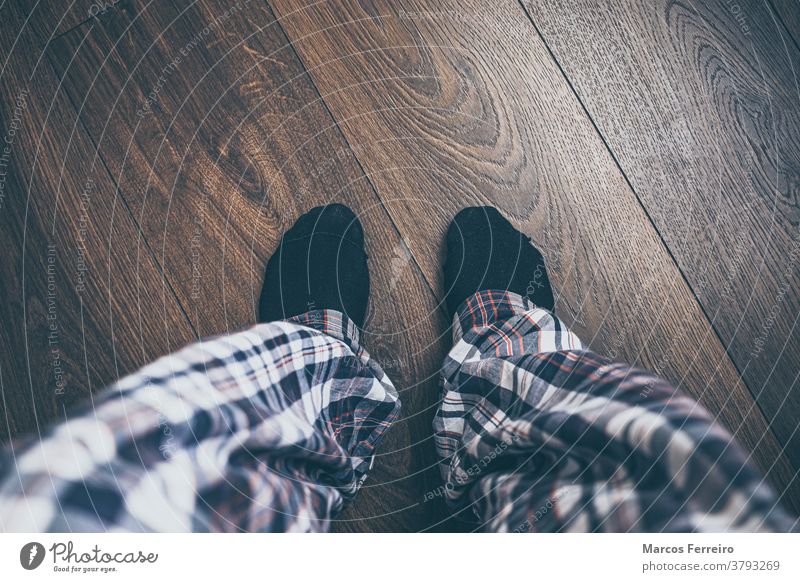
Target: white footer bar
x=389, y=557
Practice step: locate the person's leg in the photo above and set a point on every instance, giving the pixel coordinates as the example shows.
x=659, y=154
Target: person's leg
x=268, y=429
x=537, y=434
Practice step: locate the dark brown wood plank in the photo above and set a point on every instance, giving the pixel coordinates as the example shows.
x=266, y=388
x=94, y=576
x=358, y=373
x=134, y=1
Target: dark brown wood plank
x=219, y=142
x=49, y=18
x=448, y=104
x=699, y=103
x=83, y=300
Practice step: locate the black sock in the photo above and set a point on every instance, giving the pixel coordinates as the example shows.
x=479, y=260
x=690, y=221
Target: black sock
x=320, y=263
x=485, y=252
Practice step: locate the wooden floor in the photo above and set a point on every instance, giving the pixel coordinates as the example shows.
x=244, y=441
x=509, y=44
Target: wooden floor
x=155, y=152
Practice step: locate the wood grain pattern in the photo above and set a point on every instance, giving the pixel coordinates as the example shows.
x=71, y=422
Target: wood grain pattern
x=447, y=104
x=50, y=19
x=699, y=104
x=788, y=13
x=74, y=267
x=219, y=142
x=216, y=138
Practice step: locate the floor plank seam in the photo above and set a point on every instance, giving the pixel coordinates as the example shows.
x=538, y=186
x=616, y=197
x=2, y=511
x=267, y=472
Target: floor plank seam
x=352, y=151
x=150, y=251
x=647, y=213
x=777, y=16
x=74, y=27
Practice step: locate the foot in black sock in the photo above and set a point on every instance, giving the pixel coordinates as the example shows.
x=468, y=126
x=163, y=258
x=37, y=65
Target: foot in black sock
x=485, y=252
x=320, y=263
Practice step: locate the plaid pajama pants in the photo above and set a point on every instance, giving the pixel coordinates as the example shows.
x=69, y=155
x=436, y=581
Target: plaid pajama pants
x=273, y=429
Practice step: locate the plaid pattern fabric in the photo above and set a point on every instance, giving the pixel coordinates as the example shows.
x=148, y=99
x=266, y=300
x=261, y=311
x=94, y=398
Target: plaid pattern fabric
x=537, y=434
x=269, y=429
x=273, y=429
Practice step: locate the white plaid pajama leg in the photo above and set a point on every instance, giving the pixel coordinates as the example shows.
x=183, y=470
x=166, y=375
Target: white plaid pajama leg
x=537, y=434
x=268, y=429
